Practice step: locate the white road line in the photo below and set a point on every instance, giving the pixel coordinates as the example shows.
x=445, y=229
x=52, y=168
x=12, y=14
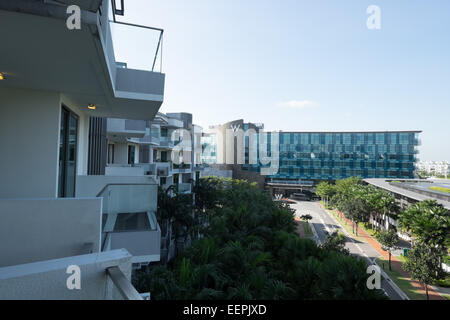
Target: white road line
x=392, y=283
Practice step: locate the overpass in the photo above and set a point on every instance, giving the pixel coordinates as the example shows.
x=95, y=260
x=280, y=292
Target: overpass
x=281, y=186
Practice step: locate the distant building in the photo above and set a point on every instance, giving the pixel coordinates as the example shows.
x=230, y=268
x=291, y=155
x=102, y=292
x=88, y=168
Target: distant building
x=410, y=191
x=434, y=168
x=305, y=158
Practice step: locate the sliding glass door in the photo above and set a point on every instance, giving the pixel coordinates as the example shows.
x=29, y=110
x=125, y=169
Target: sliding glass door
x=68, y=140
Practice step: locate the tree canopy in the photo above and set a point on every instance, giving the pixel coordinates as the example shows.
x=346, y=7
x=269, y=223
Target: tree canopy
x=249, y=249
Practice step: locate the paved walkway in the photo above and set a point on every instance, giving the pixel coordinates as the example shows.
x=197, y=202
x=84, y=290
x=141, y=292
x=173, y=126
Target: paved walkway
x=396, y=264
x=300, y=229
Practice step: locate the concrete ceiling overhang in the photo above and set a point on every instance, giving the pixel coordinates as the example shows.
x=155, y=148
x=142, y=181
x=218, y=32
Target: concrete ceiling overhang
x=41, y=53
x=90, y=5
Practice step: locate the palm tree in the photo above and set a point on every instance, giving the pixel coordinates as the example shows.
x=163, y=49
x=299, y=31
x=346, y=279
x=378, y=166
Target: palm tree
x=174, y=215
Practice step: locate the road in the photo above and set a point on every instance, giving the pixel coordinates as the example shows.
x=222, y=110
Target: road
x=322, y=222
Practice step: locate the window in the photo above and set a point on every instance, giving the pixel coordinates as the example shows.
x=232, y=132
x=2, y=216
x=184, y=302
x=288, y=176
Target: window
x=110, y=153
x=68, y=141
x=163, y=156
x=131, y=154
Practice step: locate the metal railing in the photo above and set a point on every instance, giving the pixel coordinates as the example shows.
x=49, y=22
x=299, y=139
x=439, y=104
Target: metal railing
x=131, y=49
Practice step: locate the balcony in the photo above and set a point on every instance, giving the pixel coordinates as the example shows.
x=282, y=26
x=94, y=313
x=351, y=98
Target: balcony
x=129, y=220
x=104, y=276
x=165, y=142
x=129, y=170
x=181, y=168
x=175, y=123
x=163, y=169
x=124, y=128
x=184, y=188
x=30, y=226
x=114, y=65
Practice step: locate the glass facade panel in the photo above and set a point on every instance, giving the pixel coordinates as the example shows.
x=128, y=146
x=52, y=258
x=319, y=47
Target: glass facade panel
x=324, y=156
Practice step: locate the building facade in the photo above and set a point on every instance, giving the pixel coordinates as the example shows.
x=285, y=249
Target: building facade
x=339, y=155
x=313, y=156
x=58, y=206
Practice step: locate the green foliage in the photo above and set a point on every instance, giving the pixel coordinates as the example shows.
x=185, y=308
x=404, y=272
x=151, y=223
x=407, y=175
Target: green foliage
x=335, y=242
x=441, y=189
x=174, y=214
x=306, y=217
x=250, y=250
x=428, y=222
x=423, y=263
x=388, y=239
x=325, y=189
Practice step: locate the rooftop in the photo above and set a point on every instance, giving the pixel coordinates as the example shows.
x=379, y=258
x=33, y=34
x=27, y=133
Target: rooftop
x=416, y=189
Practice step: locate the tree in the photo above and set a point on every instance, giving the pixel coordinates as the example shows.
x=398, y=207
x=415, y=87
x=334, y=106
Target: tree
x=427, y=221
x=335, y=241
x=326, y=191
x=306, y=217
x=423, y=263
x=250, y=250
x=355, y=209
x=388, y=240
x=388, y=205
x=174, y=214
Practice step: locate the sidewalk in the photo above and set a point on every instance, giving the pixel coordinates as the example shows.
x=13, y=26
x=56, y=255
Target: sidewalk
x=300, y=229
x=396, y=264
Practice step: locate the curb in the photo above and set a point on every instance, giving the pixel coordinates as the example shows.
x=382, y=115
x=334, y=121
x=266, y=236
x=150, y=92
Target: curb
x=391, y=283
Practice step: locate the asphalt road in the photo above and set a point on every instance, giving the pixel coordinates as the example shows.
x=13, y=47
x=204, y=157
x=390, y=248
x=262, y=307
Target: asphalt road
x=322, y=222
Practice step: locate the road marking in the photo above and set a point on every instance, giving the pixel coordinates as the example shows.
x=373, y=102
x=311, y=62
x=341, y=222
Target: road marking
x=389, y=280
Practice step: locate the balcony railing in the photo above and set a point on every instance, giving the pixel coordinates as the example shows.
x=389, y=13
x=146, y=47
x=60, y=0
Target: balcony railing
x=46, y=279
x=181, y=166
x=184, y=187
x=128, y=198
x=129, y=220
x=138, y=46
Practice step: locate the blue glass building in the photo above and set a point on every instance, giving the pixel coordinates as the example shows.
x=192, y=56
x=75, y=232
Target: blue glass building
x=330, y=155
x=339, y=155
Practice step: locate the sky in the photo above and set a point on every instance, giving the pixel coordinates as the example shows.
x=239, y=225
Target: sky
x=305, y=65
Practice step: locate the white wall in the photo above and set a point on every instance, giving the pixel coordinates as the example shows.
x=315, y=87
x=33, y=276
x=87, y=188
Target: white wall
x=29, y=130
x=29, y=142
x=47, y=279
x=41, y=229
x=115, y=170
x=120, y=153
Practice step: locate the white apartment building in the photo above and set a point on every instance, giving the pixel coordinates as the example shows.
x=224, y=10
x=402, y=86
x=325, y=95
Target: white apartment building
x=160, y=148
x=441, y=168
x=53, y=211
x=166, y=149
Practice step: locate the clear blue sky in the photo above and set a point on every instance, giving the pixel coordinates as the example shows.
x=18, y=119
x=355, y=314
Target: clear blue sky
x=307, y=65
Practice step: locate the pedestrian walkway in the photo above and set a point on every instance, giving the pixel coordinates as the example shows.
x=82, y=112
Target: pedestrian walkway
x=300, y=229
x=396, y=264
